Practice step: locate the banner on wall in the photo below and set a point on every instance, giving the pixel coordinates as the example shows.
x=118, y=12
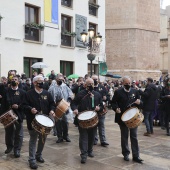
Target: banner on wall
x=51, y=11
x=102, y=68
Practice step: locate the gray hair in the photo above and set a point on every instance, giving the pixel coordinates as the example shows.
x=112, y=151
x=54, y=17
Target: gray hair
x=125, y=78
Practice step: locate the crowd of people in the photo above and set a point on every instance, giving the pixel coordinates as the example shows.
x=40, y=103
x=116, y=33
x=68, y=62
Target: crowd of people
x=41, y=95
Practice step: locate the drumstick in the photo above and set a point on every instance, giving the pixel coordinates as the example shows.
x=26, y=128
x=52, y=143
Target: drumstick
x=130, y=104
x=94, y=109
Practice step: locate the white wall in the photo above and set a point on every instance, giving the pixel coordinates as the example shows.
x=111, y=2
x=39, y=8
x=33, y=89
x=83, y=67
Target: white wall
x=12, y=26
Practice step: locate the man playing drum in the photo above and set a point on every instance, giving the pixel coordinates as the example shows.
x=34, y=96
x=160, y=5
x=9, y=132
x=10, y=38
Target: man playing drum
x=122, y=98
x=86, y=100
x=37, y=101
x=14, y=132
x=101, y=126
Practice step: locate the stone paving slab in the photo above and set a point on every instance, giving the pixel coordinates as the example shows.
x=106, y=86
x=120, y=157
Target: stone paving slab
x=155, y=151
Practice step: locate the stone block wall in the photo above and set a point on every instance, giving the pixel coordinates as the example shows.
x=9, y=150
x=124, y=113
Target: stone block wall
x=132, y=37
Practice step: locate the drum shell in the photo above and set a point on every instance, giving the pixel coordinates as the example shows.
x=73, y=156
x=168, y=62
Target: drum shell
x=61, y=108
x=41, y=128
x=8, y=118
x=89, y=123
x=135, y=121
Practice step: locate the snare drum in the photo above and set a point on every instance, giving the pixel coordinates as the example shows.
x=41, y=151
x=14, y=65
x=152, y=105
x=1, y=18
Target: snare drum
x=132, y=117
x=42, y=124
x=8, y=118
x=62, y=107
x=88, y=119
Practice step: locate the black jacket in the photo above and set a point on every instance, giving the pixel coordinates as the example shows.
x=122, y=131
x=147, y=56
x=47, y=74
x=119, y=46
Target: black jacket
x=76, y=88
x=52, y=76
x=16, y=97
x=83, y=101
x=101, y=89
x=42, y=102
x=122, y=99
x=4, y=106
x=149, y=97
x=165, y=101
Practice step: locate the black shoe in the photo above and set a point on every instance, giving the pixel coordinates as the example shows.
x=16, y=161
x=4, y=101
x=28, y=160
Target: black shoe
x=59, y=140
x=83, y=160
x=104, y=144
x=163, y=128
x=54, y=134
x=126, y=157
x=40, y=159
x=33, y=165
x=16, y=154
x=91, y=154
x=8, y=150
x=95, y=143
x=168, y=134
x=67, y=139
x=137, y=159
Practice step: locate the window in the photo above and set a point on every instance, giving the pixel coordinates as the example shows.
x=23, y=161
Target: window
x=32, y=16
x=67, y=3
x=66, y=36
x=91, y=25
x=93, y=7
x=95, y=69
x=28, y=62
x=66, y=68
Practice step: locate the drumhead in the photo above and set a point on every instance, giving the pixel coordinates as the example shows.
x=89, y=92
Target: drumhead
x=87, y=115
x=44, y=120
x=129, y=114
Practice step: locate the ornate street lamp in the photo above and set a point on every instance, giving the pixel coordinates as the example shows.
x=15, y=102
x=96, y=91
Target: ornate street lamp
x=93, y=44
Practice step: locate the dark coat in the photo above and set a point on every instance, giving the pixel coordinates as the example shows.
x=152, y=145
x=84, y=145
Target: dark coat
x=122, y=99
x=16, y=97
x=76, y=88
x=42, y=102
x=83, y=101
x=149, y=97
x=165, y=101
x=4, y=106
x=101, y=89
x=52, y=76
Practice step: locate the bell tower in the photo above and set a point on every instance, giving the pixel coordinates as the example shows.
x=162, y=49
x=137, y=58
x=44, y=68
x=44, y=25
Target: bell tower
x=132, y=38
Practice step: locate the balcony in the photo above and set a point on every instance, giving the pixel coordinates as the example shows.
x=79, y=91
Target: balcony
x=93, y=8
x=33, y=32
x=67, y=39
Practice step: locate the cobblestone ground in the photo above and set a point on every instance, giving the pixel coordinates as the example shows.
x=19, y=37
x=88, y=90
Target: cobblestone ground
x=155, y=151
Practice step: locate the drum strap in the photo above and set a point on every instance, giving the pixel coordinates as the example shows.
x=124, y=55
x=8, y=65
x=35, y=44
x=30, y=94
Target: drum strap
x=92, y=104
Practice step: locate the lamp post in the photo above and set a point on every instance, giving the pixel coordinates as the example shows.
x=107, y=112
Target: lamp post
x=93, y=44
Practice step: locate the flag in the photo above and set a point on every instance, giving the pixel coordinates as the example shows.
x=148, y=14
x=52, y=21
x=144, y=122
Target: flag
x=51, y=11
x=102, y=68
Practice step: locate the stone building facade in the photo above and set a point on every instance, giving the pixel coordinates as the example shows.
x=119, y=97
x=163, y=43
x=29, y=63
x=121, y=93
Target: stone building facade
x=22, y=45
x=132, y=38
x=164, y=40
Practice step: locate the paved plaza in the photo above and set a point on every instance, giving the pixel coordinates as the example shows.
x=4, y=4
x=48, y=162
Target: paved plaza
x=154, y=150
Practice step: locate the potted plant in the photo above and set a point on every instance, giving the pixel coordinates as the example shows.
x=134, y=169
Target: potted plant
x=72, y=34
x=35, y=26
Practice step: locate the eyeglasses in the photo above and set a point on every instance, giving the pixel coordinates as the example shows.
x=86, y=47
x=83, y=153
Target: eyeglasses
x=14, y=79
